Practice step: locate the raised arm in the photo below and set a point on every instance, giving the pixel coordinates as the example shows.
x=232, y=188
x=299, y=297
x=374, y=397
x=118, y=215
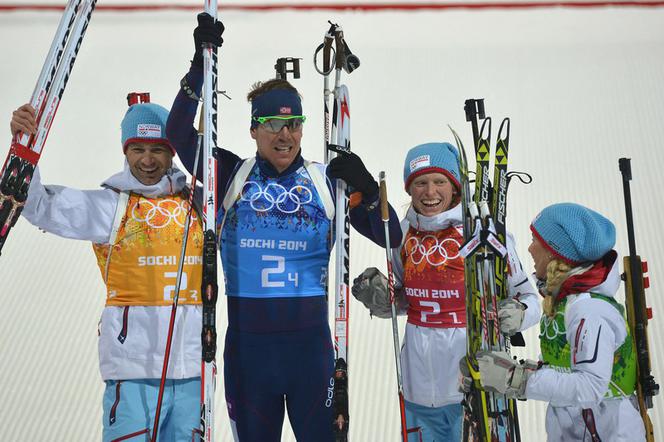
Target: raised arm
x=180, y=128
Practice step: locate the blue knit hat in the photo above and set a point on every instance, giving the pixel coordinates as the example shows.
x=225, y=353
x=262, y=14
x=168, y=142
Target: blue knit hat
x=574, y=233
x=430, y=158
x=145, y=123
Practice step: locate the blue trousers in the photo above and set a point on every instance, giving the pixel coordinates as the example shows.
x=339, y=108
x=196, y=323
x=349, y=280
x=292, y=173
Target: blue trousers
x=129, y=409
x=268, y=373
x=440, y=424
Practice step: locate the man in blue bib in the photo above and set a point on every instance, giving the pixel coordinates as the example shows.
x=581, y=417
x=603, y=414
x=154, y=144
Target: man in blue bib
x=275, y=246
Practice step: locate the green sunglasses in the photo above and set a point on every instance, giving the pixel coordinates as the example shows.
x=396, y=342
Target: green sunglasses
x=275, y=123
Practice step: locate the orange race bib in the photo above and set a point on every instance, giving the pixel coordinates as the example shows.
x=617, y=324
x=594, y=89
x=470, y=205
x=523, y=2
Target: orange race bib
x=140, y=268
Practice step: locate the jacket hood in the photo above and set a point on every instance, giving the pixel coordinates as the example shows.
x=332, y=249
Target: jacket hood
x=443, y=220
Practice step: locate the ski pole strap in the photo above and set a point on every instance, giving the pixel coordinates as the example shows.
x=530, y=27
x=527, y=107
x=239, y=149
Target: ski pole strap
x=524, y=177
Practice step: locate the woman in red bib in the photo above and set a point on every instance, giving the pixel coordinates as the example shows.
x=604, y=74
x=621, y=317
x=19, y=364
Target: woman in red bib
x=429, y=274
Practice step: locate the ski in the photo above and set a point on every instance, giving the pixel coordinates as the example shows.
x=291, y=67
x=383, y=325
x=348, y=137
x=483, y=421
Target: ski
x=487, y=416
x=341, y=132
x=337, y=141
x=638, y=314
x=209, y=288
x=501, y=180
x=25, y=150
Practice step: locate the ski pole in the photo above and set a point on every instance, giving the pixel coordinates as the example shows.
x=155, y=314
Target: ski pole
x=385, y=215
x=327, y=69
x=176, y=295
x=338, y=140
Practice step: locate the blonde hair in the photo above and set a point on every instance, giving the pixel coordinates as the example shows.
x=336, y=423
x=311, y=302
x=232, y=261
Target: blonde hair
x=557, y=271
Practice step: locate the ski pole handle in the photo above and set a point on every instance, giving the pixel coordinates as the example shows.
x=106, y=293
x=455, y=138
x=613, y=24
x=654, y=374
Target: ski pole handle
x=384, y=208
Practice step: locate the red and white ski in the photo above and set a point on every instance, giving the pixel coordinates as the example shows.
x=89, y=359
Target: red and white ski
x=26, y=150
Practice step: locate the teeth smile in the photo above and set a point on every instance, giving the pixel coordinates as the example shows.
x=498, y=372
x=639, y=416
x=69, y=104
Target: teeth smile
x=283, y=148
x=431, y=203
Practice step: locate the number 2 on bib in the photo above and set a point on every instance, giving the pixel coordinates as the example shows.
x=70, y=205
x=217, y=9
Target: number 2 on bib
x=269, y=275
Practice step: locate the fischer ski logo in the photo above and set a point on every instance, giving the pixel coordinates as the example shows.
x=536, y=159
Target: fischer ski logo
x=502, y=197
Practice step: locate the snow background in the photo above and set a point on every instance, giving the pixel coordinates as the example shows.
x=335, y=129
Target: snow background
x=583, y=87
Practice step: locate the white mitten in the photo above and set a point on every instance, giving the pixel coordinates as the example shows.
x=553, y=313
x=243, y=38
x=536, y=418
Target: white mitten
x=499, y=373
x=510, y=314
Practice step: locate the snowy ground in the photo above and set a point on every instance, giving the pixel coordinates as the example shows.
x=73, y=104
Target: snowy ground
x=582, y=87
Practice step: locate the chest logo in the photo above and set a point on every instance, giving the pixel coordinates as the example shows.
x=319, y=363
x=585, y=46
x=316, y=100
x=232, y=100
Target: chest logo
x=161, y=214
x=435, y=252
x=275, y=196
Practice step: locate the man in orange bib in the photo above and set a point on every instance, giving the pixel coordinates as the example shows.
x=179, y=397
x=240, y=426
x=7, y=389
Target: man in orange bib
x=136, y=224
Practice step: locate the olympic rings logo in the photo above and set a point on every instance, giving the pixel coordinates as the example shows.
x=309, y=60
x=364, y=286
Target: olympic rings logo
x=275, y=195
x=551, y=327
x=430, y=248
x=161, y=214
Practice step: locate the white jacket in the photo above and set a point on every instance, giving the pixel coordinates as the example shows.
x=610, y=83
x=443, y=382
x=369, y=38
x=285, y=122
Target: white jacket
x=88, y=215
x=430, y=356
x=601, y=330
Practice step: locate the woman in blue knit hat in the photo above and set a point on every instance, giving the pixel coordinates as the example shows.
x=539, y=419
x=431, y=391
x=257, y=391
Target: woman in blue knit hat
x=588, y=371
x=429, y=274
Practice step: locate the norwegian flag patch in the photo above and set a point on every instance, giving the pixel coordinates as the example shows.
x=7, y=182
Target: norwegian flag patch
x=420, y=162
x=146, y=130
x=285, y=110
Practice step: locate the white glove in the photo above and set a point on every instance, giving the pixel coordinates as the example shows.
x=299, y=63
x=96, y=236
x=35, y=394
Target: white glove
x=371, y=289
x=510, y=315
x=499, y=373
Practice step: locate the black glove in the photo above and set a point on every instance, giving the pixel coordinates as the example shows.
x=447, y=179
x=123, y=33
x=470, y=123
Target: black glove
x=350, y=168
x=208, y=31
